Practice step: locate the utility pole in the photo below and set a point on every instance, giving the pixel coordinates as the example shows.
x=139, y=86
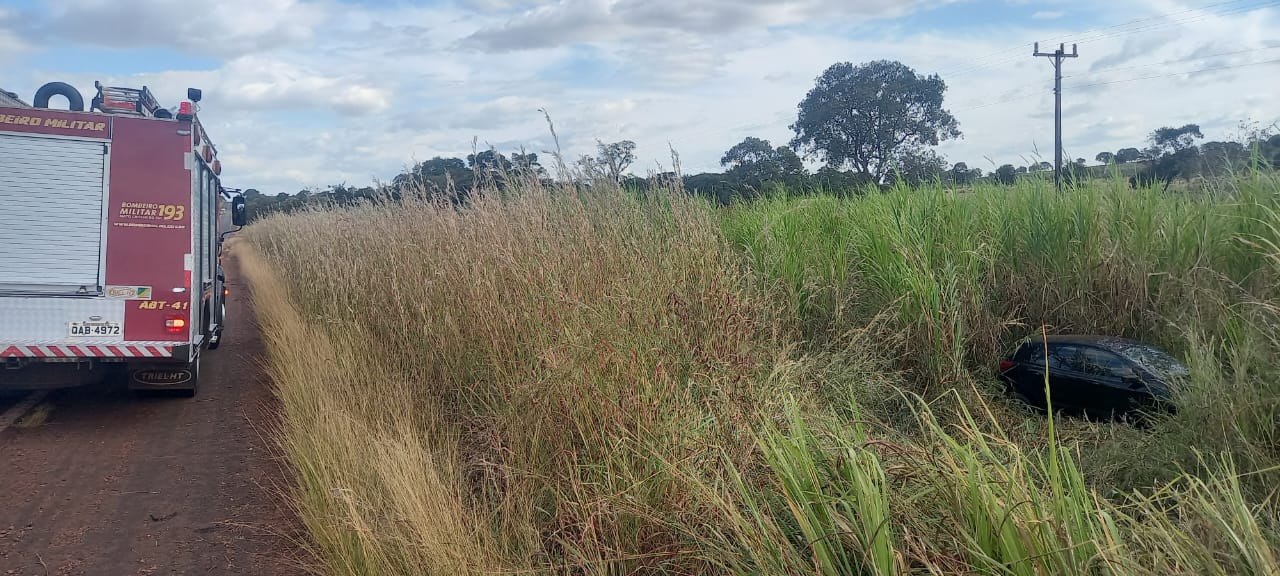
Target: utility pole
x=1057, y=56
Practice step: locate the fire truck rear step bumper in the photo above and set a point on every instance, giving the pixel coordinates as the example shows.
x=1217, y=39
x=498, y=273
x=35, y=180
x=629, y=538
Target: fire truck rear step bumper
x=116, y=350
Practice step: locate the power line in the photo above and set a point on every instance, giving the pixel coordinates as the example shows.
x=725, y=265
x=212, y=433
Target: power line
x=979, y=65
x=1181, y=21
x=1020, y=49
x=1171, y=62
x=1163, y=16
x=1024, y=95
x=1154, y=22
x=1215, y=68
x=1139, y=25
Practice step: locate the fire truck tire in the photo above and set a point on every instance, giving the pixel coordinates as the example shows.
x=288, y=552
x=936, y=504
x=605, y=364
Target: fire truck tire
x=74, y=99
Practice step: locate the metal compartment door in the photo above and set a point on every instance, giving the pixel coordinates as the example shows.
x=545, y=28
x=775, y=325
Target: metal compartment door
x=51, y=193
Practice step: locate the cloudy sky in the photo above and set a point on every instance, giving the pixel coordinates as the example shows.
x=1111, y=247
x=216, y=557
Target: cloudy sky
x=302, y=93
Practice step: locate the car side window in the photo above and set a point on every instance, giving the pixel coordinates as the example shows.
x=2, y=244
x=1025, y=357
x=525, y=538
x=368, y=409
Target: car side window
x=1032, y=353
x=1103, y=363
x=1064, y=357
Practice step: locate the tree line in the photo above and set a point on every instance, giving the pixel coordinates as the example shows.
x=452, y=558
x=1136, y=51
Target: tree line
x=868, y=126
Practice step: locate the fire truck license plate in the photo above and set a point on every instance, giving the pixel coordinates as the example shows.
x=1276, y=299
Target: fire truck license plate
x=94, y=329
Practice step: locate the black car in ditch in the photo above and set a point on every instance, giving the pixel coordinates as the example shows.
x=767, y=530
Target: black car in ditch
x=1098, y=375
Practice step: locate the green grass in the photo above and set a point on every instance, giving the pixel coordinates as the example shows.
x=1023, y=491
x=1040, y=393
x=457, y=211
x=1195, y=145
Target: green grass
x=614, y=383
x=962, y=276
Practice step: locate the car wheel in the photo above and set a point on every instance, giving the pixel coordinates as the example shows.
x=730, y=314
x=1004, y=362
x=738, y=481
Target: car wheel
x=1013, y=393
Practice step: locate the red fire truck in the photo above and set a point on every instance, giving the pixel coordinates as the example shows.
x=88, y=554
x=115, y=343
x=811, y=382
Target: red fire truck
x=111, y=222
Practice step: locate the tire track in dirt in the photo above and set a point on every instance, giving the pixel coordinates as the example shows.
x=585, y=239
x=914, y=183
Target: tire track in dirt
x=118, y=484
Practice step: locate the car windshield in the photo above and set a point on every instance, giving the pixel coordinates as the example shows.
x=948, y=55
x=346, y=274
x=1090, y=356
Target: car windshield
x=1153, y=359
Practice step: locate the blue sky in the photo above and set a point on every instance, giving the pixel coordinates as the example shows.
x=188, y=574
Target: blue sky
x=302, y=93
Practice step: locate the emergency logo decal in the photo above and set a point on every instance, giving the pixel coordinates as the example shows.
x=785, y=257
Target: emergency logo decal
x=129, y=292
x=151, y=215
x=37, y=121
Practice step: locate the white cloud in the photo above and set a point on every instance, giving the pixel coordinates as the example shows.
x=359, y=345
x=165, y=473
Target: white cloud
x=11, y=45
x=218, y=28
x=268, y=83
x=262, y=84
x=569, y=21
x=369, y=90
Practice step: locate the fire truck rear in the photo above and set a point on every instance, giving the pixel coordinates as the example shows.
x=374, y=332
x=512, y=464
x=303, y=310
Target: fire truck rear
x=110, y=230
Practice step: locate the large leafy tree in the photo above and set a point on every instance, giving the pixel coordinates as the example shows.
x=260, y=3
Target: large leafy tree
x=750, y=150
x=841, y=183
x=868, y=116
x=489, y=162
x=616, y=157
x=712, y=185
x=917, y=167
x=437, y=176
x=527, y=163
x=1220, y=158
x=1105, y=157
x=1269, y=150
x=1170, y=141
x=610, y=161
x=755, y=162
x=1006, y=174
x=1125, y=155
x=1174, y=152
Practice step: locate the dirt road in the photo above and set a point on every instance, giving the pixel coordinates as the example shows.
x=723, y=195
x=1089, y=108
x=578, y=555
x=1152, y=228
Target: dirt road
x=114, y=484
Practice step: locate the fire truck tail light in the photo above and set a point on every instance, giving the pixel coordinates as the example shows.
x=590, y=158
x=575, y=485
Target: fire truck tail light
x=175, y=324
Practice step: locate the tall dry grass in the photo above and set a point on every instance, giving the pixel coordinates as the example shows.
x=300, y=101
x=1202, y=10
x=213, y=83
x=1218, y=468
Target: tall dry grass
x=556, y=351
x=557, y=380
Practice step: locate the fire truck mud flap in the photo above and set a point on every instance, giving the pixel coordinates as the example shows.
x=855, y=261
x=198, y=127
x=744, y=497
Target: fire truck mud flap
x=181, y=378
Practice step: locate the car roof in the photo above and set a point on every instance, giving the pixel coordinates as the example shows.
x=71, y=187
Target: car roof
x=1104, y=341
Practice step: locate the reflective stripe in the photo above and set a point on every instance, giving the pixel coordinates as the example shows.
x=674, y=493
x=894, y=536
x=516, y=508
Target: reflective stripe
x=87, y=351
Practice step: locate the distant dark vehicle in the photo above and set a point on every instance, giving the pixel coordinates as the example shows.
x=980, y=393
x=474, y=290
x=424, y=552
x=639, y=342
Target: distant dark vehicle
x=1100, y=376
